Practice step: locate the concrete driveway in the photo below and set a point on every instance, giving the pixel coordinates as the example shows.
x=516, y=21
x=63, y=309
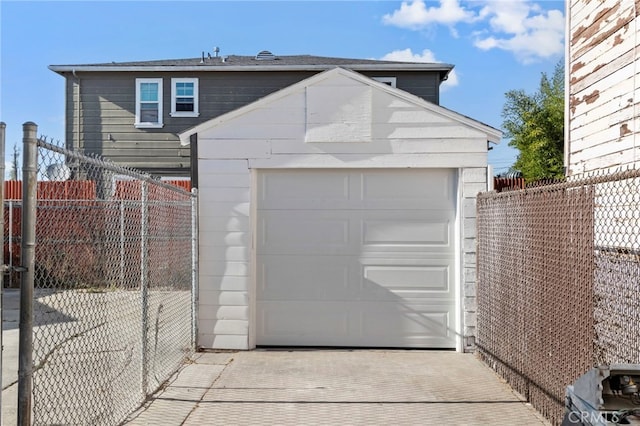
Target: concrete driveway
x=313, y=387
x=329, y=387
x=10, y=336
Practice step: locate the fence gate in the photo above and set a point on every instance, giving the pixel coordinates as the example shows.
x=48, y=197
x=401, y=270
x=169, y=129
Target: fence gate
x=111, y=287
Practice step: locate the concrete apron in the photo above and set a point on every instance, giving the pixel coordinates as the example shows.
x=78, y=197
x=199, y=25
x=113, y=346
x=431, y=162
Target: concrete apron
x=355, y=387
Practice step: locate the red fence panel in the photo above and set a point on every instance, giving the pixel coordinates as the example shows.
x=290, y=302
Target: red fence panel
x=50, y=190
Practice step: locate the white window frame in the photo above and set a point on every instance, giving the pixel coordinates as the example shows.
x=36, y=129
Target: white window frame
x=391, y=81
x=174, y=95
x=147, y=124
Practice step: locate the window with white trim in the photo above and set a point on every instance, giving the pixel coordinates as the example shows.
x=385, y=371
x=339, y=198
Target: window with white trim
x=148, y=102
x=391, y=81
x=184, y=97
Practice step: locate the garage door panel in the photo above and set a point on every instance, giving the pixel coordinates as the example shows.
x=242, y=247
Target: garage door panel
x=372, y=292
x=343, y=278
x=304, y=321
x=306, y=278
x=366, y=260
x=357, y=189
x=351, y=232
x=389, y=325
x=405, y=232
x=402, y=229
x=287, y=189
x=410, y=281
x=429, y=189
x=417, y=320
x=313, y=232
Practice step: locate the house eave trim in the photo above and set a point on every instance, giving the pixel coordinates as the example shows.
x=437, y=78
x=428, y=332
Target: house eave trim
x=222, y=68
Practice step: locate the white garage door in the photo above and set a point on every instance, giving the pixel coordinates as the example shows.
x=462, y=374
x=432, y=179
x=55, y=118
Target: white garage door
x=356, y=258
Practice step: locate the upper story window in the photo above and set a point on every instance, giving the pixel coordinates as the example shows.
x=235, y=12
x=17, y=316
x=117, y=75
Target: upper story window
x=184, y=97
x=391, y=81
x=148, y=102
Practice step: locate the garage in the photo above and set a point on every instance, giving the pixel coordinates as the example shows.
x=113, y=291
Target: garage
x=338, y=212
x=356, y=258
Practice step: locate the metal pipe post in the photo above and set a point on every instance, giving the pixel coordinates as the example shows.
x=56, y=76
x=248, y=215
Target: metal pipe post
x=10, y=242
x=29, y=194
x=122, y=264
x=194, y=268
x=144, y=287
x=3, y=263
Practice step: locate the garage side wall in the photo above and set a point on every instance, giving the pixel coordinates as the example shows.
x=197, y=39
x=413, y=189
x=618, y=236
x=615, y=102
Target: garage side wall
x=225, y=250
x=473, y=181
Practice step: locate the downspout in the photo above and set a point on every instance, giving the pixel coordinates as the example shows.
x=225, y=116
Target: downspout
x=193, y=160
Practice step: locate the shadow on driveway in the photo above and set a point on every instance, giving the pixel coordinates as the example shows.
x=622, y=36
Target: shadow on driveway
x=356, y=387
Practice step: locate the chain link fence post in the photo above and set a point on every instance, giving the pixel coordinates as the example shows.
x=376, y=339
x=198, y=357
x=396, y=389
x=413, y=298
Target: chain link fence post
x=122, y=244
x=25, y=350
x=144, y=286
x=194, y=268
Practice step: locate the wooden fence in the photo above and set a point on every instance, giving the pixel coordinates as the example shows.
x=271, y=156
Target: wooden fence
x=508, y=184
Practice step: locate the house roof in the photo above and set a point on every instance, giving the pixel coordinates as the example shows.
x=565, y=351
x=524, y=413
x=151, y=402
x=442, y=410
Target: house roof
x=252, y=63
x=493, y=135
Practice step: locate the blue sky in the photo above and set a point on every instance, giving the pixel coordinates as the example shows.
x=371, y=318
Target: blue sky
x=495, y=45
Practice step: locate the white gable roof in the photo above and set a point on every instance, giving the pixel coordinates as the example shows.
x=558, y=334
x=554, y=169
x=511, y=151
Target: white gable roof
x=345, y=110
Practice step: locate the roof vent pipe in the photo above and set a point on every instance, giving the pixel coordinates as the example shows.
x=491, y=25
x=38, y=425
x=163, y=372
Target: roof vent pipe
x=202, y=60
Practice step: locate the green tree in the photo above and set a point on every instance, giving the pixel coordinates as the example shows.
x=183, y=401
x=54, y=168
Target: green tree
x=535, y=124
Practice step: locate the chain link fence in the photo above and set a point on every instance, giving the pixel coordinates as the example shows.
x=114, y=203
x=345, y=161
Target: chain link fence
x=113, y=287
x=559, y=283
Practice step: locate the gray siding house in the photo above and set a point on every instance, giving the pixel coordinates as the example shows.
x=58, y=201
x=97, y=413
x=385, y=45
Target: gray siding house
x=133, y=112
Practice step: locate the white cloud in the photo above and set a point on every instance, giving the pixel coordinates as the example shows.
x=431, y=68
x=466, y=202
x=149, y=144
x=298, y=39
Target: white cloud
x=416, y=15
x=508, y=16
x=521, y=27
x=407, y=55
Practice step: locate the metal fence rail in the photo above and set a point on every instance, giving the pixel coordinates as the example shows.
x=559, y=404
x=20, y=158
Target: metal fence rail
x=113, y=289
x=559, y=283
